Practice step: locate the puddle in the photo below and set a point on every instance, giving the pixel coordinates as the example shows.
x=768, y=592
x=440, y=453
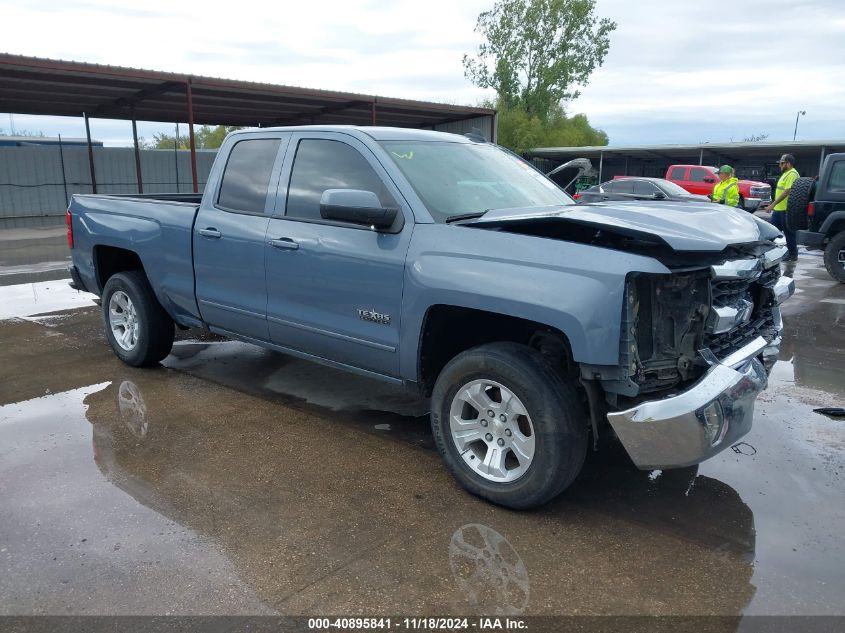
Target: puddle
x=23, y=300
x=66, y=531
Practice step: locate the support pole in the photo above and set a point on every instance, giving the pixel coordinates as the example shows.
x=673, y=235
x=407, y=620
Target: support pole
x=176, y=157
x=90, y=154
x=821, y=160
x=191, y=136
x=373, y=112
x=137, y=155
x=601, y=165
x=701, y=156
x=64, y=176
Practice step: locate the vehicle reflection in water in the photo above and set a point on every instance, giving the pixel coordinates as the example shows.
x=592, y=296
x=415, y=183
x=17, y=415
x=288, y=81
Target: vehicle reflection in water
x=488, y=571
x=133, y=410
x=312, y=514
x=813, y=350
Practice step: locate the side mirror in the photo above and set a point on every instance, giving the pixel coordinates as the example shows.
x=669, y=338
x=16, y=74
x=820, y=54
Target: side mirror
x=659, y=195
x=357, y=207
x=708, y=179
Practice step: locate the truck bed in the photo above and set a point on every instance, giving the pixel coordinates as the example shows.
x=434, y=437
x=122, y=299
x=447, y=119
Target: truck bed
x=157, y=228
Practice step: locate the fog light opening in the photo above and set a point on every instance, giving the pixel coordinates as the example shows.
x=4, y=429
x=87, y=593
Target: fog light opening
x=715, y=424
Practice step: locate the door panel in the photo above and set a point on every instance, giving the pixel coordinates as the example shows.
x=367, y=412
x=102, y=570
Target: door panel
x=229, y=236
x=335, y=291
x=231, y=285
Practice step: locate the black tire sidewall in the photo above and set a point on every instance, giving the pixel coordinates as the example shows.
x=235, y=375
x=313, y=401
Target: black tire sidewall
x=557, y=416
x=797, y=202
x=152, y=324
x=831, y=254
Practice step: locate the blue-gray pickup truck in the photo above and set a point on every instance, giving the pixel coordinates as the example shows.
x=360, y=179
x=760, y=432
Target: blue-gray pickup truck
x=538, y=327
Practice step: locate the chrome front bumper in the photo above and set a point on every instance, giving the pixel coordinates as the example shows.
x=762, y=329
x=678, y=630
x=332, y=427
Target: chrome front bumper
x=692, y=426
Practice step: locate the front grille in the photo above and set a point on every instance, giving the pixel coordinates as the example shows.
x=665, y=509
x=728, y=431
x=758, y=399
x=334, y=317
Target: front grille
x=729, y=291
x=769, y=277
x=726, y=292
x=761, y=192
x=762, y=323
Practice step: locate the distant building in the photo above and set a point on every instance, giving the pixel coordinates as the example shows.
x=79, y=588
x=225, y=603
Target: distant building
x=32, y=141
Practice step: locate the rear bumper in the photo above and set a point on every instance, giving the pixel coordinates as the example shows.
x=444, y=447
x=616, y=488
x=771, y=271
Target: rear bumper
x=810, y=239
x=75, y=280
x=694, y=425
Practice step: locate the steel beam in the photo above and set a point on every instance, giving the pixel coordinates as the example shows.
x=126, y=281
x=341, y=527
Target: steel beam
x=137, y=156
x=190, y=104
x=90, y=153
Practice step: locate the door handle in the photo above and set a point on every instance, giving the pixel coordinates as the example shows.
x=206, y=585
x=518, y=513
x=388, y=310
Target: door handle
x=210, y=232
x=285, y=243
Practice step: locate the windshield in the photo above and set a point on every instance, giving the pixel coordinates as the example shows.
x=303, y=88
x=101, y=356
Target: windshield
x=460, y=178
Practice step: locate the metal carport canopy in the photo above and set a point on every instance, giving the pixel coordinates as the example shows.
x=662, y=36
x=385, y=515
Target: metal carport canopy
x=33, y=85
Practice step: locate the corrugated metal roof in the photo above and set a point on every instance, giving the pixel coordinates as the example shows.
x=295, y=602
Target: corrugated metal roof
x=33, y=85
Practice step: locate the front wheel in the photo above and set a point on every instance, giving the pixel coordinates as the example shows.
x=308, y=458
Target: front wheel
x=834, y=257
x=138, y=329
x=508, y=428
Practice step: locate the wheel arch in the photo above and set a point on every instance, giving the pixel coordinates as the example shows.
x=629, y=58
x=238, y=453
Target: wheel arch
x=449, y=329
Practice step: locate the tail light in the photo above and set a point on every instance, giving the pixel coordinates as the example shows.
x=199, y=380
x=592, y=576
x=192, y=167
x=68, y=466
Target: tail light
x=576, y=196
x=69, y=222
x=811, y=209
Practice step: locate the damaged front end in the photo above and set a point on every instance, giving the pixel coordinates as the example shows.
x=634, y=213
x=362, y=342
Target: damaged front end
x=695, y=350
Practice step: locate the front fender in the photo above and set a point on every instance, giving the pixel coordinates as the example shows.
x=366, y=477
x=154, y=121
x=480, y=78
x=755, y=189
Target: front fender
x=574, y=288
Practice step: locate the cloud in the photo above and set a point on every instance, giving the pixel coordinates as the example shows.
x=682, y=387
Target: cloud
x=676, y=71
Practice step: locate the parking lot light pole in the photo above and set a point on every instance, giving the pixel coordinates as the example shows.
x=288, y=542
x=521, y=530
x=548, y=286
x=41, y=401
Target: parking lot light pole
x=800, y=113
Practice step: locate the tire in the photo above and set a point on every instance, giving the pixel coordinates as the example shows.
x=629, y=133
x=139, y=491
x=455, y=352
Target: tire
x=128, y=298
x=554, y=424
x=834, y=257
x=796, y=205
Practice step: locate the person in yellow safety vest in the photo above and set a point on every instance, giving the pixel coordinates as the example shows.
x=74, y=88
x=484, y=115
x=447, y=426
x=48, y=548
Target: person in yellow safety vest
x=726, y=190
x=781, y=200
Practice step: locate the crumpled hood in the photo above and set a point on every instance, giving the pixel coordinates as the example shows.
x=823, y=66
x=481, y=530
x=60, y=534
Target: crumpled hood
x=682, y=226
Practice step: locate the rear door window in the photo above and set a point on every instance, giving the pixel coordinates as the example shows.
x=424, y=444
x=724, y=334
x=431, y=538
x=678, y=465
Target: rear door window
x=677, y=173
x=699, y=175
x=643, y=188
x=246, y=178
x=623, y=186
x=322, y=164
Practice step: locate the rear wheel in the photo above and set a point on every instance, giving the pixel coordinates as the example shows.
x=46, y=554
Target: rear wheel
x=800, y=196
x=508, y=427
x=138, y=329
x=834, y=257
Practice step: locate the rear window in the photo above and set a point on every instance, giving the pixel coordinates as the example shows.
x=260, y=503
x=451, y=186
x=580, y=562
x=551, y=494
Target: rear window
x=246, y=178
x=677, y=173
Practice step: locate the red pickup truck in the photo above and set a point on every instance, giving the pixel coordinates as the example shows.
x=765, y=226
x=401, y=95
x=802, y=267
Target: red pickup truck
x=701, y=179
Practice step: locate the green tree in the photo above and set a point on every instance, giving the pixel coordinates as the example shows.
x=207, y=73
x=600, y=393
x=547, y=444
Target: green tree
x=536, y=52
x=205, y=137
x=520, y=131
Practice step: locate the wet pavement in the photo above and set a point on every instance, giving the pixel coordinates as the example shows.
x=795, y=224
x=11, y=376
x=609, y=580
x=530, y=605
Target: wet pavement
x=241, y=481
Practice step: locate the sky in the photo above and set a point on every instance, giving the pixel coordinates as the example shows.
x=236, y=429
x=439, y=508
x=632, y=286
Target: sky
x=678, y=71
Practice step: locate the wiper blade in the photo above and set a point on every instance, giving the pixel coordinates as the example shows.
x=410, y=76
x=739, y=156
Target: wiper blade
x=464, y=216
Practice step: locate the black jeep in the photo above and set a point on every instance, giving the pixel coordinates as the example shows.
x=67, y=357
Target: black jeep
x=816, y=210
